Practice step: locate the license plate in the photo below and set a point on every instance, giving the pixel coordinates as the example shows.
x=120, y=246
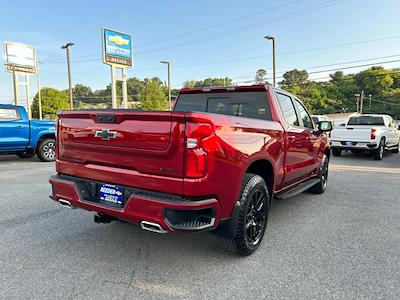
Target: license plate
x=111, y=193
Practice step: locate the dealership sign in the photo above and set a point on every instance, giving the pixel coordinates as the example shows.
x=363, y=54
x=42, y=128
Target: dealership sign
x=117, y=48
x=20, y=58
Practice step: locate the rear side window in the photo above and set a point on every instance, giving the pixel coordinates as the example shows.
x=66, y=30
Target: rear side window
x=8, y=114
x=243, y=104
x=288, y=111
x=366, y=120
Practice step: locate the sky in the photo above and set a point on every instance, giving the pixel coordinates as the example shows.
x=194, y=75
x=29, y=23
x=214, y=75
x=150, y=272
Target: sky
x=202, y=39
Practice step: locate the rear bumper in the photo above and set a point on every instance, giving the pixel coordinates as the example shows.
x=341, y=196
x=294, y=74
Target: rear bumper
x=353, y=145
x=170, y=212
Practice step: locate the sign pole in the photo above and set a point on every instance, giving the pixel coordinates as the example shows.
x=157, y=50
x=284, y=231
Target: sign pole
x=39, y=93
x=28, y=96
x=15, y=81
x=113, y=88
x=124, y=90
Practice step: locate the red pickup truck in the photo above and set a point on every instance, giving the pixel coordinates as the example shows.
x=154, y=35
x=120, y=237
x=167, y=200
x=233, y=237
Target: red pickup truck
x=215, y=163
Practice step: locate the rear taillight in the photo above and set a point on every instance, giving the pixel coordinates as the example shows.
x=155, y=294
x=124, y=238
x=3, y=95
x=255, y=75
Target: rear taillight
x=196, y=154
x=373, y=133
x=57, y=124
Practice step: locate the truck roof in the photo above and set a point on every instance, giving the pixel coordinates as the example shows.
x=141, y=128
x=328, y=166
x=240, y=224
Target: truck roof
x=9, y=106
x=254, y=87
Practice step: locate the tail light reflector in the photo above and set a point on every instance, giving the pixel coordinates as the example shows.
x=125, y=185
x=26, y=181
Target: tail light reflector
x=373, y=133
x=196, y=155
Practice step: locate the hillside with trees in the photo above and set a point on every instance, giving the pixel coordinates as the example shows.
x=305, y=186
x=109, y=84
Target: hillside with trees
x=334, y=94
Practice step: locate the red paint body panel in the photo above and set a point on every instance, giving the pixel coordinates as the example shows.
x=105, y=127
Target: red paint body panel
x=149, y=153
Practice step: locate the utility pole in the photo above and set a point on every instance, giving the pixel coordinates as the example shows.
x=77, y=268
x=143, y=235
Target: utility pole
x=169, y=82
x=358, y=101
x=362, y=101
x=66, y=47
x=271, y=38
x=370, y=101
x=39, y=91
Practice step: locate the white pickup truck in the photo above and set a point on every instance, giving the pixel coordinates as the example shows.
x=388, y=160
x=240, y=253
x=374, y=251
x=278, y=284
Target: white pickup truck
x=373, y=133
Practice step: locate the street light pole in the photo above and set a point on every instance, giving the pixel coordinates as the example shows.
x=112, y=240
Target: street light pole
x=169, y=82
x=268, y=37
x=66, y=47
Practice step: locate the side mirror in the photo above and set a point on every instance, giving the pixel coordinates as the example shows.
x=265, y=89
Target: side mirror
x=325, y=126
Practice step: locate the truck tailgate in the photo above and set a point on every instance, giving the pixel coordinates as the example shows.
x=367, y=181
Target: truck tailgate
x=351, y=134
x=122, y=141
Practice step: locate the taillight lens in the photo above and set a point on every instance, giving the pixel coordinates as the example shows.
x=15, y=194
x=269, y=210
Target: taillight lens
x=57, y=124
x=373, y=133
x=196, y=155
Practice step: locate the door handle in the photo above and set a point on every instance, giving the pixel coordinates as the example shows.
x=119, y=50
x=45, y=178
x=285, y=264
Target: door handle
x=20, y=127
x=291, y=137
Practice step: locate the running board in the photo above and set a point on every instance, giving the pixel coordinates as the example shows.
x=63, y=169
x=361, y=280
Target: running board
x=299, y=189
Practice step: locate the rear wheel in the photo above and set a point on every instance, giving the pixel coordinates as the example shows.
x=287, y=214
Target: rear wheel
x=253, y=216
x=378, y=153
x=336, y=152
x=46, y=150
x=320, y=187
x=26, y=154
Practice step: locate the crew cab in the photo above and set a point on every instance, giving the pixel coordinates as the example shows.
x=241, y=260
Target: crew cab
x=372, y=133
x=214, y=163
x=24, y=137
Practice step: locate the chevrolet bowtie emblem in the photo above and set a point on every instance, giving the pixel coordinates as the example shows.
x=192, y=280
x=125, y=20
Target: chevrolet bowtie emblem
x=106, y=134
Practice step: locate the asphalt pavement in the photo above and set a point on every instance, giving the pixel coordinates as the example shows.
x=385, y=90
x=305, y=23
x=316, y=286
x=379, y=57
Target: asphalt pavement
x=344, y=244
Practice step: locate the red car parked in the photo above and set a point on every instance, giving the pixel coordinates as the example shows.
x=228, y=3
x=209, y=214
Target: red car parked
x=214, y=163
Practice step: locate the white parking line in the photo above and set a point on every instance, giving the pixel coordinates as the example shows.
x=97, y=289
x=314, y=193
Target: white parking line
x=364, y=169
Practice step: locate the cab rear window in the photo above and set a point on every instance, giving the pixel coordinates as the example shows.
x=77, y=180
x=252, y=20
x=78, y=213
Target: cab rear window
x=366, y=120
x=243, y=104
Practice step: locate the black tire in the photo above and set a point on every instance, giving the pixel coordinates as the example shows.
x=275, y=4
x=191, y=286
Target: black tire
x=46, y=150
x=320, y=187
x=253, y=215
x=25, y=154
x=378, y=153
x=336, y=152
x=397, y=149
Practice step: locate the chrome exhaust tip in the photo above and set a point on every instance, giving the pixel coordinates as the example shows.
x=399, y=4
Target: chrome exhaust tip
x=65, y=203
x=153, y=227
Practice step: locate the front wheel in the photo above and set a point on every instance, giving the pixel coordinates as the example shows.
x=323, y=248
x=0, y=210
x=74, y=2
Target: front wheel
x=46, y=150
x=320, y=187
x=397, y=149
x=253, y=215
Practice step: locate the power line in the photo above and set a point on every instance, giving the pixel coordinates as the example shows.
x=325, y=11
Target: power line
x=219, y=24
x=339, y=69
x=391, y=72
x=232, y=31
x=251, y=26
x=255, y=57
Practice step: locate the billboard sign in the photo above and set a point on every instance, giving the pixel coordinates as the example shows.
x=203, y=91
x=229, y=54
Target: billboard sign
x=117, y=48
x=20, y=58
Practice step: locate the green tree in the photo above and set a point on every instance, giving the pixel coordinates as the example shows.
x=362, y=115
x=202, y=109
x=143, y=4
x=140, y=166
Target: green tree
x=53, y=100
x=261, y=76
x=152, y=95
x=375, y=80
x=295, y=77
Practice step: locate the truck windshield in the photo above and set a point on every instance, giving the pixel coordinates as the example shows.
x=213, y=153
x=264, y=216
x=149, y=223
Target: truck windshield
x=243, y=104
x=366, y=120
